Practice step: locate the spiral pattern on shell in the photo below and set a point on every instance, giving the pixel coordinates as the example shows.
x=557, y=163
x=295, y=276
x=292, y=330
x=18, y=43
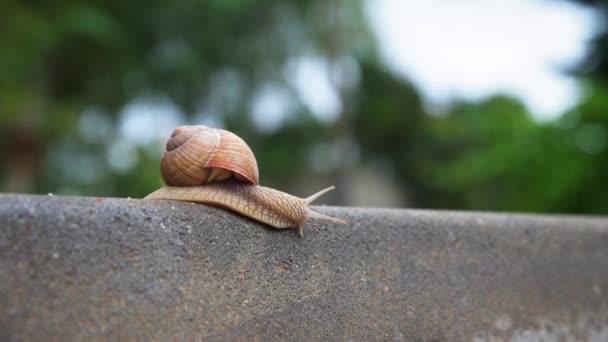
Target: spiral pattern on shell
x=196, y=155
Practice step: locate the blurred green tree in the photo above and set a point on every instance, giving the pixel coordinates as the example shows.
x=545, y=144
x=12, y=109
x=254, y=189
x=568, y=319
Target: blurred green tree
x=71, y=74
x=491, y=155
x=62, y=59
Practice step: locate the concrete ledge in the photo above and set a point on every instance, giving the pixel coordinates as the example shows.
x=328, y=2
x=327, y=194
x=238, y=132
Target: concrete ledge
x=76, y=268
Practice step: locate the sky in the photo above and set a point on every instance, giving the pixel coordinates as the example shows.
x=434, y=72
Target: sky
x=475, y=48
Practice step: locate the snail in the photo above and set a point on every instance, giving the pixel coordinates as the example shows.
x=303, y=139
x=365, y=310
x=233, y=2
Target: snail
x=216, y=167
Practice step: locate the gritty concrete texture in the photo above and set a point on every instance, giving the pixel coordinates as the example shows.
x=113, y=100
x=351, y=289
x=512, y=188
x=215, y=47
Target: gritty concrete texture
x=74, y=268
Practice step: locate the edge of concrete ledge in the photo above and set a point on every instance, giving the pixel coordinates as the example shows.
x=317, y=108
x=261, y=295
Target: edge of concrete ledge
x=94, y=268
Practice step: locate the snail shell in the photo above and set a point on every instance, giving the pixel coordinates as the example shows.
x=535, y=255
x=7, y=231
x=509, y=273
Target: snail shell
x=197, y=155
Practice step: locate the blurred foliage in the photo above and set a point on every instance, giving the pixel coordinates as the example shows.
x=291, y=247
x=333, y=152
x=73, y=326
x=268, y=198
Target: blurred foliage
x=70, y=69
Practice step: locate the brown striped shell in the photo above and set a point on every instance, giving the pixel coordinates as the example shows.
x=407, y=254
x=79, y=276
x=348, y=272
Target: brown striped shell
x=196, y=155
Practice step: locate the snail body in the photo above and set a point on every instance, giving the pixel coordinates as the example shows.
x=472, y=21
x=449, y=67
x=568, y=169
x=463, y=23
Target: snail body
x=216, y=167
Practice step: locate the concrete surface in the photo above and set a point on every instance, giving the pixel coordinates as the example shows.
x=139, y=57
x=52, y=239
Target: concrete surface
x=74, y=268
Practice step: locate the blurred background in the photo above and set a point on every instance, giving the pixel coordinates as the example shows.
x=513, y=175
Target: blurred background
x=460, y=104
